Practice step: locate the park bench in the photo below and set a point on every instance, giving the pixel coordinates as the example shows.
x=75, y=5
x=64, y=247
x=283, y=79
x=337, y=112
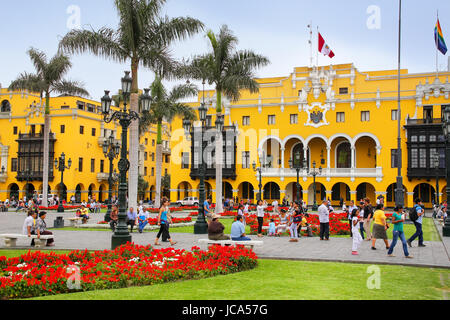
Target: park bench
x=11, y=239
x=74, y=221
x=247, y=244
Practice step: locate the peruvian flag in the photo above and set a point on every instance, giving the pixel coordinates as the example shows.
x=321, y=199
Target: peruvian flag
x=324, y=48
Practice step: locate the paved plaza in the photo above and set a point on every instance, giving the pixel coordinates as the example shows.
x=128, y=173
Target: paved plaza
x=435, y=254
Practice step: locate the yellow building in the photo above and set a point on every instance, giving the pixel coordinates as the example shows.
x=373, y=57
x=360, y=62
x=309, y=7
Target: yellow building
x=78, y=130
x=344, y=120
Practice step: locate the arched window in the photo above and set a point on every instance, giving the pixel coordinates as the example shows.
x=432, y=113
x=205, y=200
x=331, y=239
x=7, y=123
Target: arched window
x=6, y=106
x=343, y=155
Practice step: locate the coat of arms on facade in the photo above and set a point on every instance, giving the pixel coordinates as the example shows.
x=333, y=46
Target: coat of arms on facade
x=317, y=115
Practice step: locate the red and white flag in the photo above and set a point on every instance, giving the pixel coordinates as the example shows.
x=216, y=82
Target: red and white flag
x=324, y=48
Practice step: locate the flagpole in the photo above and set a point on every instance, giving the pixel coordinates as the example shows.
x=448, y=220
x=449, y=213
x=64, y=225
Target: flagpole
x=317, y=54
x=436, y=36
x=311, y=59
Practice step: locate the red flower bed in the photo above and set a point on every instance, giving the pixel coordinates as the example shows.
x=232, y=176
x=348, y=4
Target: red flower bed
x=156, y=210
x=42, y=274
x=68, y=207
x=154, y=221
x=338, y=223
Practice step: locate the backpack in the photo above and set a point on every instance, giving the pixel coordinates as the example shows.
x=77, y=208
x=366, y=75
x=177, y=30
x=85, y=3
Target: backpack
x=413, y=214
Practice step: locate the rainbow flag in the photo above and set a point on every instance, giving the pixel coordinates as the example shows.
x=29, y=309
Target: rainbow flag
x=439, y=38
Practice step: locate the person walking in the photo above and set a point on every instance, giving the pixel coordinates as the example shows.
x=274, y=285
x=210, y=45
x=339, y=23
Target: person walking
x=260, y=215
x=380, y=226
x=349, y=211
x=296, y=220
x=215, y=230
x=164, y=220
x=418, y=223
x=357, y=239
x=368, y=215
x=324, y=219
x=131, y=218
x=398, y=217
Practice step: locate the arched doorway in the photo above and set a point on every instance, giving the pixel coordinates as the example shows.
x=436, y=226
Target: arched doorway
x=13, y=192
x=101, y=189
x=444, y=194
x=366, y=190
x=340, y=191
x=246, y=191
x=29, y=190
x=91, y=190
x=426, y=193
x=271, y=192
x=152, y=191
x=391, y=196
x=78, y=191
x=291, y=192
x=227, y=190
x=184, y=189
x=321, y=193
x=62, y=192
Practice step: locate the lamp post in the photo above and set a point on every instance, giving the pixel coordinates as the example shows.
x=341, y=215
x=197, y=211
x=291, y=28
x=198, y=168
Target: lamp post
x=436, y=163
x=111, y=151
x=60, y=164
x=200, y=226
x=312, y=173
x=446, y=127
x=124, y=117
x=263, y=165
x=296, y=164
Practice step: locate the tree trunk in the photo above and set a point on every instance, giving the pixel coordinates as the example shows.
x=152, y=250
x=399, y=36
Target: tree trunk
x=219, y=149
x=133, y=174
x=46, y=151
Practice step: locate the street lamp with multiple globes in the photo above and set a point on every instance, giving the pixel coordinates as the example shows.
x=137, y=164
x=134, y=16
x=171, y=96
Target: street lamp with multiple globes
x=313, y=173
x=446, y=127
x=124, y=117
x=60, y=164
x=111, y=150
x=296, y=164
x=263, y=165
x=200, y=226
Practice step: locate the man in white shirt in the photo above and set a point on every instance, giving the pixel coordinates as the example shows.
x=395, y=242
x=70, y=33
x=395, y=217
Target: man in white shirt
x=324, y=218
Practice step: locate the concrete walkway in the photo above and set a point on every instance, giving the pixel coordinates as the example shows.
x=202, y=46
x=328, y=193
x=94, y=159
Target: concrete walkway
x=435, y=254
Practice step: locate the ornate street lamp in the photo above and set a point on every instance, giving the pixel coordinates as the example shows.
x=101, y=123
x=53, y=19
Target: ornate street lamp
x=125, y=117
x=60, y=165
x=446, y=127
x=111, y=151
x=296, y=165
x=263, y=165
x=436, y=164
x=313, y=173
x=200, y=226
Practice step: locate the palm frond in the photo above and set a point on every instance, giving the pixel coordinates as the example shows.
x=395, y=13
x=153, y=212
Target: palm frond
x=28, y=81
x=103, y=43
x=39, y=59
x=73, y=88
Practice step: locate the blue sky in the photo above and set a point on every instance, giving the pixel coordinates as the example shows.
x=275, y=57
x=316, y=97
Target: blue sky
x=274, y=28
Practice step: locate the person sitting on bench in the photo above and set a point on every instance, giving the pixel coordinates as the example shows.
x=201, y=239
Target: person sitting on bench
x=215, y=229
x=41, y=228
x=84, y=214
x=238, y=230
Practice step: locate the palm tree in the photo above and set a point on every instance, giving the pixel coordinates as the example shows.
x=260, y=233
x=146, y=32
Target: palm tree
x=143, y=38
x=165, y=106
x=48, y=79
x=230, y=71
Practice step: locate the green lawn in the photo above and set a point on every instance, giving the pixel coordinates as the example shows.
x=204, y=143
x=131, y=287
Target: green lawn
x=291, y=280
